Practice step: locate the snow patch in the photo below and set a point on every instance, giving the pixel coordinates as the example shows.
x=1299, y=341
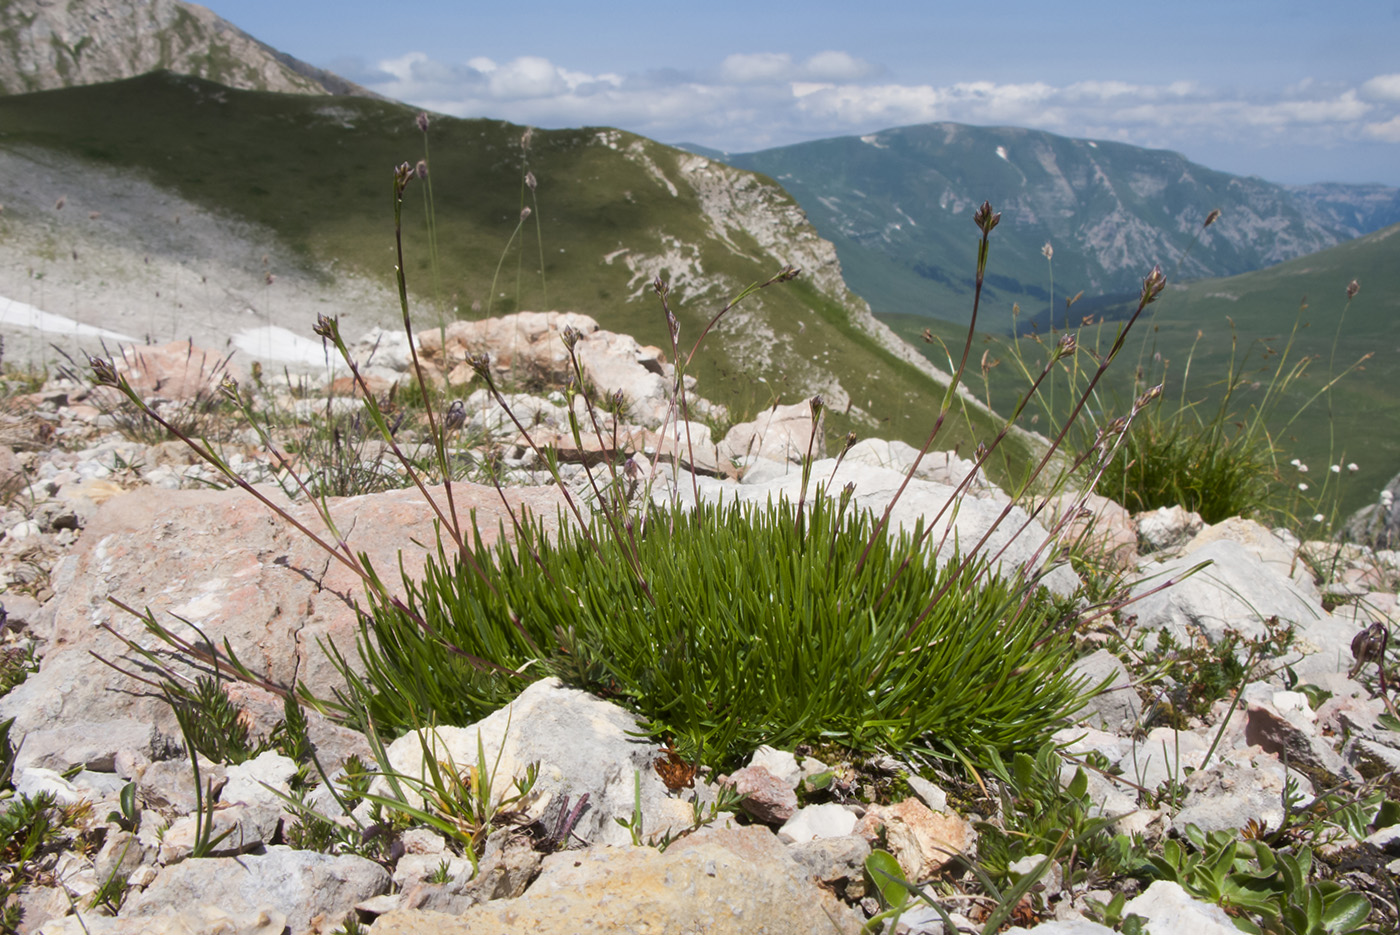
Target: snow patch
x=22, y=315
x=278, y=344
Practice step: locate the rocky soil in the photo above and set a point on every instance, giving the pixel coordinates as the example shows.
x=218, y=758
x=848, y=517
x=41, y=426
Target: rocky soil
x=93, y=515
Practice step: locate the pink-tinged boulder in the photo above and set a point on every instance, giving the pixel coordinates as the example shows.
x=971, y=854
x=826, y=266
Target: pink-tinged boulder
x=229, y=565
x=178, y=370
x=766, y=797
x=1104, y=528
x=779, y=434
x=527, y=350
x=922, y=840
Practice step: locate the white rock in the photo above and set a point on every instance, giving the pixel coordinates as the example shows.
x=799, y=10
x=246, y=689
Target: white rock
x=827, y=820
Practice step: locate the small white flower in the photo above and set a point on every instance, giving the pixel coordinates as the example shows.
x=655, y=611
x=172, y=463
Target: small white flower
x=1336, y=469
x=1302, y=486
x=1302, y=469
x=1352, y=467
x=1318, y=517
x=1295, y=462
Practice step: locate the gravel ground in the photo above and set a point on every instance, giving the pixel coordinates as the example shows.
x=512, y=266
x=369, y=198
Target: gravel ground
x=109, y=250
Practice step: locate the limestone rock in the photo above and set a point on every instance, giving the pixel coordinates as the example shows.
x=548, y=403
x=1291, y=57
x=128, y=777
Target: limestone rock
x=1165, y=528
x=1100, y=525
x=1235, y=592
x=782, y=434
x=767, y=798
x=300, y=885
x=1117, y=707
x=224, y=562
x=722, y=882
x=922, y=840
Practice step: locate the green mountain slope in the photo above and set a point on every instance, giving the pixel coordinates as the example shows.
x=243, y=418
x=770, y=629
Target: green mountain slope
x=1253, y=315
x=611, y=212
x=898, y=206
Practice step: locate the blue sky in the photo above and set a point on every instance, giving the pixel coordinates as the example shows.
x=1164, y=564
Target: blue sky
x=1289, y=91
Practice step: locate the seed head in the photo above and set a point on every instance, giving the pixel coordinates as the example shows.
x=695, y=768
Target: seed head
x=526, y=137
x=229, y=387
x=617, y=402
x=1211, y=218
x=659, y=286
x=851, y=440
x=673, y=323
x=630, y=469
x=103, y=371
x=456, y=416
x=530, y=180
x=1147, y=397
x=1353, y=288
x=481, y=364
x=816, y=403
x=421, y=169
x=985, y=218
x=1047, y=251
x=524, y=213
x=1153, y=285
x=571, y=336
x=422, y=121
x=788, y=273
x=982, y=451
x=324, y=327
x=1066, y=345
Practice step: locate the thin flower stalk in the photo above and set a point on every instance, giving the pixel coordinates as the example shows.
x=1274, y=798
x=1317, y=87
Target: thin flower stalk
x=986, y=221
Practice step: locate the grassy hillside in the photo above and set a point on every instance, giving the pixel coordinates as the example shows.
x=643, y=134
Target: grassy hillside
x=611, y=211
x=1196, y=324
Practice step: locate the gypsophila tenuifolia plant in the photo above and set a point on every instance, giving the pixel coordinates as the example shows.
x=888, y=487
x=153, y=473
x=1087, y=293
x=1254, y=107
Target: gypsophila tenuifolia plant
x=748, y=637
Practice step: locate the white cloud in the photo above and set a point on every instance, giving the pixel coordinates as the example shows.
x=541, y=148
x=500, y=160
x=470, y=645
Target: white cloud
x=757, y=67
x=1382, y=88
x=835, y=66
x=1388, y=132
x=753, y=100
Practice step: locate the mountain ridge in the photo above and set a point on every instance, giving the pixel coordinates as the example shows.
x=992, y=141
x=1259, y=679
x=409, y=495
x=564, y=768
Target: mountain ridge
x=896, y=203
x=51, y=44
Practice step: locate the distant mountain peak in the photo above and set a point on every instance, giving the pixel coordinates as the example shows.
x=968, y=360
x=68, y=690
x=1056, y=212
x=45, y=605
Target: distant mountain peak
x=49, y=44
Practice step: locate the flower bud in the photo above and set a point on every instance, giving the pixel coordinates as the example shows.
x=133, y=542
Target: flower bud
x=1353, y=288
x=1153, y=285
x=985, y=218
x=103, y=371
x=481, y=364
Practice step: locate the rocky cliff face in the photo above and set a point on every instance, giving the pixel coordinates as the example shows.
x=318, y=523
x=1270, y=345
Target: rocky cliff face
x=46, y=44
